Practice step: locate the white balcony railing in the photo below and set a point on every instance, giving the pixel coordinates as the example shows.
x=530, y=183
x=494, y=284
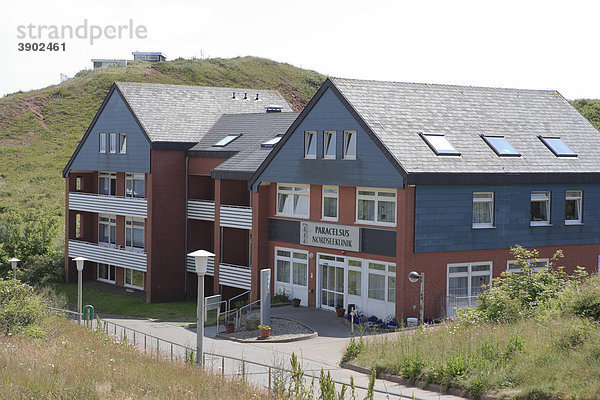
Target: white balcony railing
x=101, y=203
x=235, y=275
x=201, y=209
x=108, y=255
x=210, y=268
x=236, y=217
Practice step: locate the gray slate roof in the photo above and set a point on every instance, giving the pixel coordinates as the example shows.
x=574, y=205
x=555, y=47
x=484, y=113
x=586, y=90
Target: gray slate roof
x=178, y=113
x=254, y=129
x=396, y=112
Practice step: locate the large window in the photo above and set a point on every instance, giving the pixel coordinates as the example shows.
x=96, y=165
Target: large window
x=292, y=267
x=465, y=282
x=107, y=183
x=355, y=277
x=573, y=207
x=134, y=233
x=293, y=200
x=135, y=185
x=540, y=209
x=382, y=282
x=134, y=279
x=102, y=143
x=330, y=203
x=376, y=206
x=329, y=147
x=483, y=209
x=106, y=273
x=107, y=230
x=349, y=145
x=310, y=144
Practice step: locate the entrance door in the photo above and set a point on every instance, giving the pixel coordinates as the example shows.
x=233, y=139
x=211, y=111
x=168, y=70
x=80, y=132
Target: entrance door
x=332, y=281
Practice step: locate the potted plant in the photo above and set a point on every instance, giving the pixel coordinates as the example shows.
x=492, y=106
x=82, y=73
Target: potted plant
x=340, y=311
x=229, y=327
x=265, y=331
x=296, y=302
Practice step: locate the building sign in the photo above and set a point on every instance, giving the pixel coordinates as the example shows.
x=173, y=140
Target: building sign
x=340, y=237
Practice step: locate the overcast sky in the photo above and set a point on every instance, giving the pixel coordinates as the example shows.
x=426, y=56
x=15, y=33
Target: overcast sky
x=523, y=44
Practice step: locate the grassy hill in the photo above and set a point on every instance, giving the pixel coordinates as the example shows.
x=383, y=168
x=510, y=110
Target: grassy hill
x=40, y=129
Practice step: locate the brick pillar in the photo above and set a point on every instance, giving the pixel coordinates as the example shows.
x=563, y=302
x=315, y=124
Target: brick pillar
x=121, y=184
x=404, y=248
x=67, y=217
x=217, y=234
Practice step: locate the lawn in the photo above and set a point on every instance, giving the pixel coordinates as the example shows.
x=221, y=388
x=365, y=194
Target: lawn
x=109, y=303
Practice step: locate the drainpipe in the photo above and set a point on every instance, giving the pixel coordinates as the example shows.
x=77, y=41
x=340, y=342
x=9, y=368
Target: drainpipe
x=185, y=274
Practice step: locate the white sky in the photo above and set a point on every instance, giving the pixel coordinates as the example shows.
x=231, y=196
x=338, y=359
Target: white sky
x=524, y=44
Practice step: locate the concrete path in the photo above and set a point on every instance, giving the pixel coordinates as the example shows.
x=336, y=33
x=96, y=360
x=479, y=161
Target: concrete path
x=324, y=351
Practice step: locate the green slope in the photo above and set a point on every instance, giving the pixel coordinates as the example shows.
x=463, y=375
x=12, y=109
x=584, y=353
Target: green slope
x=40, y=129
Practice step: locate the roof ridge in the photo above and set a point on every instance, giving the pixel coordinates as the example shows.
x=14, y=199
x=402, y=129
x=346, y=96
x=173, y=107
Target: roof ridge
x=119, y=83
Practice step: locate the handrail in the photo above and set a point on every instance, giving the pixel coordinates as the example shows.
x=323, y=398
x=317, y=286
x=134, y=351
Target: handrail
x=233, y=206
x=109, y=195
x=236, y=297
x=236, y=266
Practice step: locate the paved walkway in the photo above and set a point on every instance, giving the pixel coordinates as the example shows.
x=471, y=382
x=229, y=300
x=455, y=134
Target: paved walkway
x=324, y=351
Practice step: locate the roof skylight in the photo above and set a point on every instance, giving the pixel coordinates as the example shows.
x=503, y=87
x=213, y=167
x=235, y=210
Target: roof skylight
x=439, y=144
x=271, y=142
x=226, y=140
x=557, y=146
x=501, y=146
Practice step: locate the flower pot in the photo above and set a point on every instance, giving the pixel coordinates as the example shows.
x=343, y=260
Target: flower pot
x=265, y=333
x=229, y=328
x=340, y=312
x=296, y=302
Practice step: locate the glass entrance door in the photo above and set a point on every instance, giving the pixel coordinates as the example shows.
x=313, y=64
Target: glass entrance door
x=332, y=281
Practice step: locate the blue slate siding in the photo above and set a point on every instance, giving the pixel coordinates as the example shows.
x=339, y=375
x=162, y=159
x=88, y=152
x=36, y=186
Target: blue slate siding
x=370, y=168
x=115, y=118
x=443, y=218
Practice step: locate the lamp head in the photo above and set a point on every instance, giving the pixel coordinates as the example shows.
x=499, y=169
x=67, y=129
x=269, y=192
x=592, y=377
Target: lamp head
x=79, y=261
x=201, y=259
x=13, y=261
x=414, y=276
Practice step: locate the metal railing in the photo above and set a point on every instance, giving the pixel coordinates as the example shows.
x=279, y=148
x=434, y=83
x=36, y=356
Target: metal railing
x=247, y=292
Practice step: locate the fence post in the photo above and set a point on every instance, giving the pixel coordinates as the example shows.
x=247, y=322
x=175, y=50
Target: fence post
x=222, y=365
x=243, y=370
x=171, y=351
x=269, y=378
x=157, y=347
x=144, y=343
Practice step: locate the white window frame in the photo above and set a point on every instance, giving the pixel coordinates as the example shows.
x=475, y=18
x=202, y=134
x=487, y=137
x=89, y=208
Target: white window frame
x=548, y=202
x=307, y=145
x=112, y=222
x=579, y=202
x=468, y=274
x=293, y=192
x=129, y=223
x=327, y=144
x=132, y=177
x=131, y=285
x=104, y=279
x=349, y=144
x=292, y=259
x=122, y=143
x=110, y=176
x=102, y=143
x=112, y=143
x=376, y=197
x=330, y=195
x=386, y=273
x=490, y=199
x=226, y=140
x=515, y=270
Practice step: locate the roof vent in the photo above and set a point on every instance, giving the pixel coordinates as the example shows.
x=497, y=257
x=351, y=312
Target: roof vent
x=256, y=99
x=273, y=108
x=245, y=96
x=233, y=97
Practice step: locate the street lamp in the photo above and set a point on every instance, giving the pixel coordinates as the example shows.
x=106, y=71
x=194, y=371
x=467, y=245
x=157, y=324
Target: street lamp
x=201, y=259
x=79, y=261
x=13, y=262
x=414, y=277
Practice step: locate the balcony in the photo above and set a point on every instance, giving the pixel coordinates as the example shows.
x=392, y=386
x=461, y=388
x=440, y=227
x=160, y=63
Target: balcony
x=101, y=203
x=210, y=268
x=201, y=210
x=232, y=275
x=239, y=217
x=108, y=255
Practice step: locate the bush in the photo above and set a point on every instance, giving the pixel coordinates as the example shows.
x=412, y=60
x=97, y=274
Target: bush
x=21, y=309
x=353, y=350
x=280, y=297
x=586, y=301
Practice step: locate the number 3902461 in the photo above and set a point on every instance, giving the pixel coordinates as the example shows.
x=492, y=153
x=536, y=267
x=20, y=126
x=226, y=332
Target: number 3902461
x=50, y=46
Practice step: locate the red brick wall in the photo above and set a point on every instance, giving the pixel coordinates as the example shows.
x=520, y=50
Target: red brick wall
x=203, y=165
x=200, y=187
x=236, y=246
x=235, y=193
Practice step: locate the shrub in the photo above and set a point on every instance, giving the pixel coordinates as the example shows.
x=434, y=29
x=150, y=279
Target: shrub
x=411, y=367
x=21, y=310
x=586, y=301
x=353, y=350
x=280, y=297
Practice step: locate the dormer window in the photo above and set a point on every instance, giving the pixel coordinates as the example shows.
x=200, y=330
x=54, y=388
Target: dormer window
x=439, y=144
x=329, y=145
x=501, y=146
x=557, y=146
x=226, y=140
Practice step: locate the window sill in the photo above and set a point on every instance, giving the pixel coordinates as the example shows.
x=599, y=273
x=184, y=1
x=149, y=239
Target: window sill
x=540, y=224
x=292, y=216
x=310, y=157
x=483, y=227
x=573, y=223
x=329, y=219
x=377, y=224
x=133, y=286
x=349, y=158
x=329, y=158
x=106, y=281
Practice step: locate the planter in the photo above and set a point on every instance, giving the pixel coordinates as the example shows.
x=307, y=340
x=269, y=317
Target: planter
x=296, y=302
x=229, y=328
x=340, y=312
x=265, y=333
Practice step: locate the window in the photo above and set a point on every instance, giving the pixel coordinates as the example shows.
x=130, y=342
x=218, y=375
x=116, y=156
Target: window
x=465, y=282
x=102, y=144
x=382, y=282
x=134, y=279
x=536, y=264
x=573, y=209
x=293, y=200
x=123, y=143
x=134, y=233
x=330, y=203
x=439, y=144
x=113, y=143
x=135, y=185
x=226, y=140
x=329, y=145
x=557, y=146
x=483, y=209
x=500, y=146
x=106, y=273
x=349, y=145
x=310, y=144
x=292, y=267
x=78, y=183
x=271, y=142
x=376, y=206
x=107, y=183
x=78, y=225
x=107, y=230
x=540, y=208
x=354, y=277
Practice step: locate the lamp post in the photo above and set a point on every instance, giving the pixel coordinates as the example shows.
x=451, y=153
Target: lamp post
x=13, y=262
x=79, y=261
x=414, y=277
x=201, y=259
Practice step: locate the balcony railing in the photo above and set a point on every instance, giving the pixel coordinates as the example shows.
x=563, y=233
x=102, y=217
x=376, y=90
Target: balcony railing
x=201, y=209
x=231, y=216
x=108, y=255
x=101, y=203
x=210, y=268
x=238, y=276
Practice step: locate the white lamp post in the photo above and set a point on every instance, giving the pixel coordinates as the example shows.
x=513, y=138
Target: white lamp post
x=79, y=261
x=201, y=259
x=414, y=277
x=13, y=262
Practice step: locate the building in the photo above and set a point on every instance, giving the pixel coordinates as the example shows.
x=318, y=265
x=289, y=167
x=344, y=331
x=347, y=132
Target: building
x=108, y=62
x=154, y=56
x=370, y=181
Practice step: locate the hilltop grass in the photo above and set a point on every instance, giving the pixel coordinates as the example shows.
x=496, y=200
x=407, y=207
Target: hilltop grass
x=75, y=363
